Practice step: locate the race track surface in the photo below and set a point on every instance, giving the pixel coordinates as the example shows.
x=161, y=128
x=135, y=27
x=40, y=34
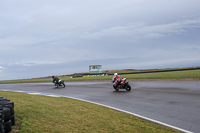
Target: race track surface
x=176, y=103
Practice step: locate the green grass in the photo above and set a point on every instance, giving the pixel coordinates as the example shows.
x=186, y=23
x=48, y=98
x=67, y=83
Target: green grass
x=166, y=75
x=157, y=75
x=25, y=81
x=42, y=114
x=47, y=114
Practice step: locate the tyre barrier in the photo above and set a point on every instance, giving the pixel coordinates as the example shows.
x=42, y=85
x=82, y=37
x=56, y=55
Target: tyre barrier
x=7, y=118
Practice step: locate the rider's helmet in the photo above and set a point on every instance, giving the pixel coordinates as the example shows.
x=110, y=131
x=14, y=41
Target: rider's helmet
x=53, y=77
x=115, y=74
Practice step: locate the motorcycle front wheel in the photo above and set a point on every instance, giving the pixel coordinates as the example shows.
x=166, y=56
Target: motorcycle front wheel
x=116, y=88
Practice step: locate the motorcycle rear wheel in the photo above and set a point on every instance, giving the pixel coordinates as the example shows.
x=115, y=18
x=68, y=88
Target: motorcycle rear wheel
x=57, y=85
x=63, y=85
x=128, y=87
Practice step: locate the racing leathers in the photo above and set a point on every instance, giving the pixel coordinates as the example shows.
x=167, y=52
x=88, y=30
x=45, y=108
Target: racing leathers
x=116, y=80
x=56, y=80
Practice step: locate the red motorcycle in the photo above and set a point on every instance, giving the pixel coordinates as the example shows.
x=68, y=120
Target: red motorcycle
x=122, y=84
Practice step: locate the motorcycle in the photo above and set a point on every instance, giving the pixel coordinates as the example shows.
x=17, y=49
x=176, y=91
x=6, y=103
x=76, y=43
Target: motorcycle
x=60, y=83
x=123, y=84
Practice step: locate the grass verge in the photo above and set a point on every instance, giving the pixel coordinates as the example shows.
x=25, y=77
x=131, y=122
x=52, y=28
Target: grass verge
x=44, y=114
x=193, y=74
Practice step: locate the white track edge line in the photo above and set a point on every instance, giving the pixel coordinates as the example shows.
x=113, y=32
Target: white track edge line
x=140, y=116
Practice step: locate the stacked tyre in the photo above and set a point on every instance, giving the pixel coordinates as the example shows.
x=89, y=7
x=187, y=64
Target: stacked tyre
x=7, y=118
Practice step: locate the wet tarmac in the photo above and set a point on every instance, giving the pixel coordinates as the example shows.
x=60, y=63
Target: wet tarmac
x=176, y=103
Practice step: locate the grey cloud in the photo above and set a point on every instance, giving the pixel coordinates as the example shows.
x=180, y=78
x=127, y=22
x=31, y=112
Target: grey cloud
x=142, y=30
x=38, y=36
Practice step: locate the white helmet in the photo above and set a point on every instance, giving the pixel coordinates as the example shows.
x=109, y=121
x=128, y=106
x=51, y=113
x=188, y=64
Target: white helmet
x=115, y=74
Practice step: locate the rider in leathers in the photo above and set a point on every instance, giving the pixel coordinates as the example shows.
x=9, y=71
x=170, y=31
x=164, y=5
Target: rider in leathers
x=55, y=79
x=116, y=79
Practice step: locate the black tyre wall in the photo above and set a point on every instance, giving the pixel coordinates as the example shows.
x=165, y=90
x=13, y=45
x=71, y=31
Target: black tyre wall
x=8, y=126
x=7, y=114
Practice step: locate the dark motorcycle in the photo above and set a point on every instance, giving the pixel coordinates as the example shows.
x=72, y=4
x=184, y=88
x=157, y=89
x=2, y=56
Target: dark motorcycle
x=124, y=84
x=60, y=83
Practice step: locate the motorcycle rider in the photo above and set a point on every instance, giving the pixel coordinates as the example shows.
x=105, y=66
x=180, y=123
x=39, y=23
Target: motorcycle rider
x=55, y=79
x=116, y=79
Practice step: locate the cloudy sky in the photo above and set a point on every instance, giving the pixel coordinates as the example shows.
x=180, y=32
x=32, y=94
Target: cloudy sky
x=51, y=37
